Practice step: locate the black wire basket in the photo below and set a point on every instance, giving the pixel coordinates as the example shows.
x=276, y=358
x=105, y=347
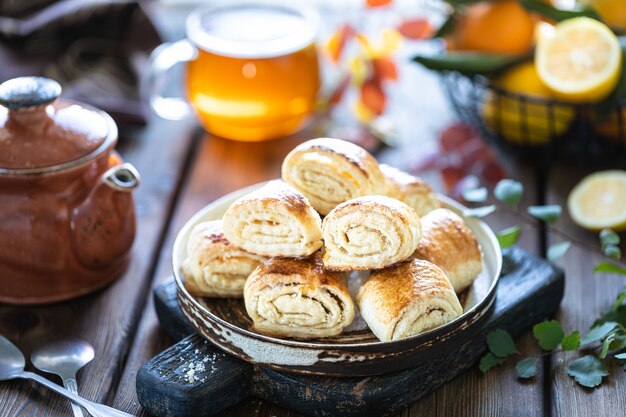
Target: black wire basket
x=536, y=127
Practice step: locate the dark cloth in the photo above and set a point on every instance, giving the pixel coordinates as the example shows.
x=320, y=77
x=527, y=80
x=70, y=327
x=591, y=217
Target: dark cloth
x=96, y=49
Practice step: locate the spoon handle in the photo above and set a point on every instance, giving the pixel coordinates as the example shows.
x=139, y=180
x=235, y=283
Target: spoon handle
x=96, y=410
x=72, y=386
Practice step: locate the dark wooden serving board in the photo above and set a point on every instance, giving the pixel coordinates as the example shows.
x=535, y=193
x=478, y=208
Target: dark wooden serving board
x=530, y=289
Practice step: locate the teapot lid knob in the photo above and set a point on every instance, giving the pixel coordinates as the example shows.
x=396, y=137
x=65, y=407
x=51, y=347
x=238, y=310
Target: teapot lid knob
x=22, y=92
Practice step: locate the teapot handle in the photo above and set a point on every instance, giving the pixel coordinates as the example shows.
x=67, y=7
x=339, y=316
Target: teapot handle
x=103, y=225
x=123, y=177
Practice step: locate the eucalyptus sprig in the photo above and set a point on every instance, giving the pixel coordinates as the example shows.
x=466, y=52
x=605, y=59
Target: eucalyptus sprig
x=510, y=193
x=605, y=339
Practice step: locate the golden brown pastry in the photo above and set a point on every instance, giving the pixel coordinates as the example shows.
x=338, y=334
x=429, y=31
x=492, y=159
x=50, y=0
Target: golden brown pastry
x=407, y=299
x=369, y=232
x=298, y=298
x=331, y=171
x=410, y=190
x=214, y=267
x=275, y=220
x=450, y=244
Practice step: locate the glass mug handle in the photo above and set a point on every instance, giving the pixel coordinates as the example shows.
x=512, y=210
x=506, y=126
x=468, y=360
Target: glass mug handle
x=162, y=59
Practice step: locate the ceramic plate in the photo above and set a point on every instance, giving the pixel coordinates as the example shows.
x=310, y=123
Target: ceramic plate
x=356, y=351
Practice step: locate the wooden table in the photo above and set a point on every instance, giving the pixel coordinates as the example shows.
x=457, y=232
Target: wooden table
x=184, y=169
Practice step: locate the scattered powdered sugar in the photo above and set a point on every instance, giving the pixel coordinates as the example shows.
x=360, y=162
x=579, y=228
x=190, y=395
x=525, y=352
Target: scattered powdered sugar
x=195, y=370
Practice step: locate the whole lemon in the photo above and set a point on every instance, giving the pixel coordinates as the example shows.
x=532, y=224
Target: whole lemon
x=526, y=119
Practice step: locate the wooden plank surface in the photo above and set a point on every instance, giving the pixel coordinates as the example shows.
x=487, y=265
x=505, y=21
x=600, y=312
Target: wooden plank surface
x=219, y=166
x=107, y=319
x=587, y=296
x=499, y=392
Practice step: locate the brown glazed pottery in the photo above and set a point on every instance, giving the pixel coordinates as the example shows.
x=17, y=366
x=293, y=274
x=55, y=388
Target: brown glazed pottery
x=67, y=218
x=355, y=352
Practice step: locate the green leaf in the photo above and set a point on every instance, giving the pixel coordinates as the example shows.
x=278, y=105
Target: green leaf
x=609, y=237
x=475, y=195
x=610, y=268
x=621, y=355
x=548, y=214
x=549, y=334
x=599, y=332
x=571, y=341
x=618, y=342
x=557, y=250
x=526, y=368
x=469, y=63
x=588, y=371
x=546, y=10
x=509, y=191
x=479, y=211
x=501, y=343
x=613, y=315
x=489, y=361
x=621, y=296
x=508, y=237
x=612, y=251
x=446, y=28
x=605, y=345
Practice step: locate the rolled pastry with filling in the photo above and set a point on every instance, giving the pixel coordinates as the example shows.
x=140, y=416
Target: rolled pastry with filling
x=331, y=171
x=448, y=243
x=409, y=189
x=214, y=267
x=298, y=298
x=275, y=220
x=407, y=299
x=369, y=232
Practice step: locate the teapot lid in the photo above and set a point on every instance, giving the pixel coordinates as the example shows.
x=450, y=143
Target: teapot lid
x=37, y=129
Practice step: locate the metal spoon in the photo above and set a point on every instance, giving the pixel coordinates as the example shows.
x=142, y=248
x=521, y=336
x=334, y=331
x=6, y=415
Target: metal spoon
x=64, y=358
x=12, y=364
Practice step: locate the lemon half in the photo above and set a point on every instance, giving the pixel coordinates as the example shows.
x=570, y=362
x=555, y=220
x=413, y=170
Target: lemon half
x=599, y=201
x=580, y=60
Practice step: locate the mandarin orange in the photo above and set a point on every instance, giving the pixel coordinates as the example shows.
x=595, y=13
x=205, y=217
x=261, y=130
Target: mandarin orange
x=494, y=27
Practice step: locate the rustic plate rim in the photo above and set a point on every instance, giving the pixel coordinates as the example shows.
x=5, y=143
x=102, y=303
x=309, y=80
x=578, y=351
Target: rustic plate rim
x=482, y=305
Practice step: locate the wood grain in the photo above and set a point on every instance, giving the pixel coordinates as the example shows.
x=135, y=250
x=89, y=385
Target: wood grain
x=219, y=166
x=499, y=392
x=107, y=319
x=529, y=289
x=587, y=295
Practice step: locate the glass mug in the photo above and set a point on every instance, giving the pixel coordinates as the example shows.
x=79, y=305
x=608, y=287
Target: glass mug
x=252, y=70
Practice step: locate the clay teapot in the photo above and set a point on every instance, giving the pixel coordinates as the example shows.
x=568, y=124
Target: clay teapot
x=67, y=218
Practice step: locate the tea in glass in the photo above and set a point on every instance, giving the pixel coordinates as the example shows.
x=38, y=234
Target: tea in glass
x=255, y=75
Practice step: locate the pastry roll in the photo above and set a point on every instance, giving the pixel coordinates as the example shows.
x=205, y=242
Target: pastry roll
x=369, y=232
x=214, y=267
x=298, y=298
x=407, y=299
x=410, y=190
x=331, y=171
x=450, y=244
x=275, y=220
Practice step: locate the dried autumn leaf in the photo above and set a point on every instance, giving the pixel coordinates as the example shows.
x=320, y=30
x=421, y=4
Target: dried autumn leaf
x=378, y=3
x=362, y=113
x=417, y=28
x=337, y=41
x=339, y=91
x=391, y=40
x=384, y=69
x=373, y=97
